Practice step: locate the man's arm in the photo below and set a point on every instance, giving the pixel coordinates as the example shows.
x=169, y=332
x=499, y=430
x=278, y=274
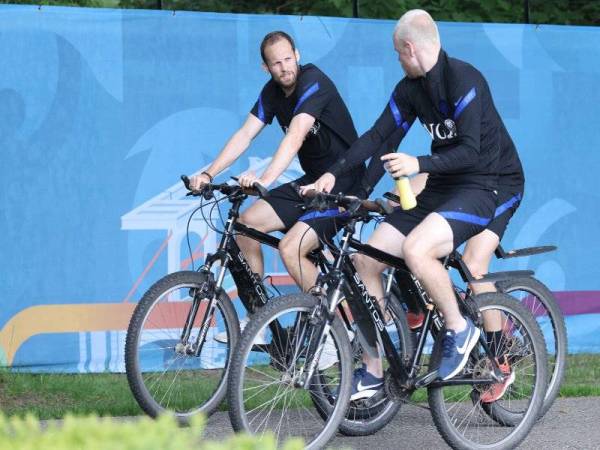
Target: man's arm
x=375, y=169
x=288, y=148
x=391, y=127
x=237, y=144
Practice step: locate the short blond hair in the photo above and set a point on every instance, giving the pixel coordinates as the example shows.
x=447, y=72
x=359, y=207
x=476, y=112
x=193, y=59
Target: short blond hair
x=418, y=27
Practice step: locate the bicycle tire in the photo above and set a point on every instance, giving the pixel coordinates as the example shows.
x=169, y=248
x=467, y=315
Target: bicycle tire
x=135, y=377
x=449, y=428
x=557, y=370
x=260, y=320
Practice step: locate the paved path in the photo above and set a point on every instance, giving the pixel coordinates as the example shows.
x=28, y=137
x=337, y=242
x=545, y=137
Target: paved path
x=572, y=423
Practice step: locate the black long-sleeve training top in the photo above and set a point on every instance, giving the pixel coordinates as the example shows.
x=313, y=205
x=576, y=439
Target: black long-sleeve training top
x=470, y=148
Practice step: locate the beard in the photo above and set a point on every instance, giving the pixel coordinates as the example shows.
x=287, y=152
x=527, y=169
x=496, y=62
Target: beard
x=287, y=79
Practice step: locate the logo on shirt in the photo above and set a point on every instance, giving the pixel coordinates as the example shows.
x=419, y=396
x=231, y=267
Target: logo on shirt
x=450, y=126
x=314, y=130
x=440, y=131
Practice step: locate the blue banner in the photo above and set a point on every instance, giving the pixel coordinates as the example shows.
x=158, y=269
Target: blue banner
x=102, y=110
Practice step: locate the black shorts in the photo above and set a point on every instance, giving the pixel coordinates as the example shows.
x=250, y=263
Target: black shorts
x=287, y=205
x=467, y=211
x=509, y=199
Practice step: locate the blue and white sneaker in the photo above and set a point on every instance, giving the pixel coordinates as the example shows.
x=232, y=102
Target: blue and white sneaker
x=364, y=384
x=456, y=349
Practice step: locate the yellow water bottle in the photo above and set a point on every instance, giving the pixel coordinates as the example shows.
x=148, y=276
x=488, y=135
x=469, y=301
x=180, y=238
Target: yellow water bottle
x=407, y=196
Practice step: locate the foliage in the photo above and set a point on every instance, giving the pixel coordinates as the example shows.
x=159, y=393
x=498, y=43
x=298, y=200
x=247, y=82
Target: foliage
x=569, y=12
x=80, y=3
x=76, y=433
x=540, y=11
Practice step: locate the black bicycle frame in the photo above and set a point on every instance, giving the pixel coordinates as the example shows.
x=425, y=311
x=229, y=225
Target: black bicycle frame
x=369, y=307
x=251, y=289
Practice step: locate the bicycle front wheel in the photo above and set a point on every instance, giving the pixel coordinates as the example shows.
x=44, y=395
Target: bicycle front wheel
x=462, y=412
x=163, y=370
x=266, y=387
x=366, y=417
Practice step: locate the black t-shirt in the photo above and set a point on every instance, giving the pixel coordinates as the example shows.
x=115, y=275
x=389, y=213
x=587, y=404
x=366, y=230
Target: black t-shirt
x=470, y=145
x=333, y=131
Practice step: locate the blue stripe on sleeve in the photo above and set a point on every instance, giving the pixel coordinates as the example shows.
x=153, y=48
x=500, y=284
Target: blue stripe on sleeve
x=398, y=115
x=465, y=102
x=310, y=91
x=261, y=111
x=395, y=111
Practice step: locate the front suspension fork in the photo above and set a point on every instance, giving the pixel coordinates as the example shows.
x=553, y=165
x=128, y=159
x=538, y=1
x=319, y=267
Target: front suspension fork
x=210, y=290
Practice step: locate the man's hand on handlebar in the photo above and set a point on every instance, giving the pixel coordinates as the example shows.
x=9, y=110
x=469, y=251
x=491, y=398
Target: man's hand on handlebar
x=324, y=184
x=247, y=180
x=197, y=182
x=303, y=190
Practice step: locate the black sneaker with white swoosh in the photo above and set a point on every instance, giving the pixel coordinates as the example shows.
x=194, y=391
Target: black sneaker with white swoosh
x=364, y=384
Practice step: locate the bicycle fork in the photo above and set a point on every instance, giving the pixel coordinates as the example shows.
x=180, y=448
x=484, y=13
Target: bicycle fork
x=321, y=330
x=210, y=290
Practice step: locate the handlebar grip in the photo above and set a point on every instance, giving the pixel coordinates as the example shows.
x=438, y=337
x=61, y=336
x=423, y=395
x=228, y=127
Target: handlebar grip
x=186, y=182
x=311, y=193
x=392, y=197
x=262, y=191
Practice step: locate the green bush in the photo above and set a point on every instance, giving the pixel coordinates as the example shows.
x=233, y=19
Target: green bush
x=93, y=433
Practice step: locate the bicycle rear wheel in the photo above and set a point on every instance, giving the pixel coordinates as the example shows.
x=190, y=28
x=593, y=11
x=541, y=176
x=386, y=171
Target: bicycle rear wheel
x=542, y=303
x=266, y=392
x=163, y=374
x=457, y=410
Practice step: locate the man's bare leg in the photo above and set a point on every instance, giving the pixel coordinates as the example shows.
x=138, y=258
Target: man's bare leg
x=294, y=248
x=390, y=240
x=477, y=257
x=431, y=240
x=262, y=217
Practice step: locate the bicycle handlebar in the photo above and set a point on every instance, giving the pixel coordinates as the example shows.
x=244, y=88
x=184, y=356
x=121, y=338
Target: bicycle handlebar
x=352, y=204
x=226, y=189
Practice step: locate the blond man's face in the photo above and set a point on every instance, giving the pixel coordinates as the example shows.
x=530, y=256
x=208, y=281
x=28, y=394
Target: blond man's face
x=407, y=58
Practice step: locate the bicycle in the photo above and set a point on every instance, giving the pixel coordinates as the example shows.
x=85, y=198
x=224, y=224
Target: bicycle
x=170, y=341
x=538, y=299
x=314, y=318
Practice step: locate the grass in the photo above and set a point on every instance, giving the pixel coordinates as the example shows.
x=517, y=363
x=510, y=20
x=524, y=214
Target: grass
x=581, y=377
x=51, y=396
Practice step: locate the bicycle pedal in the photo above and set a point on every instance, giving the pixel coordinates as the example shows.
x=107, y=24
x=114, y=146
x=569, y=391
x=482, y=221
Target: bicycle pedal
x=426, y=379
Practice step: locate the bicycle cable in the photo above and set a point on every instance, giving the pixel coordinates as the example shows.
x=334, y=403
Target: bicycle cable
x=187, y=231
